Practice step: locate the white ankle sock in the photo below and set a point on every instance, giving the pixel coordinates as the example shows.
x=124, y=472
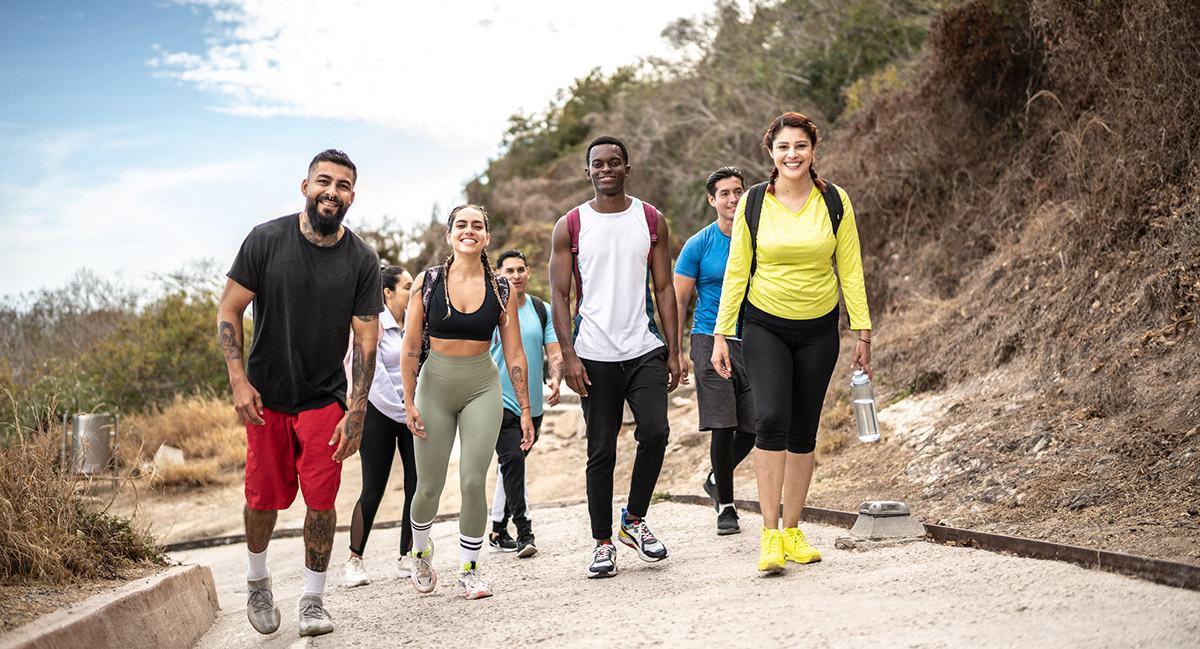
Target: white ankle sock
x=727, y=505
x=257, y=568
x=468, y=548
x=421, y=536
x=314, y=582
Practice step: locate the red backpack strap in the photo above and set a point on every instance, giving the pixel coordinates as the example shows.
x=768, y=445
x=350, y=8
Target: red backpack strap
x=573, y=233
x=652, y=215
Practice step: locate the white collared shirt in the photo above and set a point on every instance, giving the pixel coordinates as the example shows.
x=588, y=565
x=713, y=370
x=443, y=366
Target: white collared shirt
x=387, y=389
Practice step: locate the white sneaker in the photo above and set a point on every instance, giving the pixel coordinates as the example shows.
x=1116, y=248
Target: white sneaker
x=423, y=577
x=314, y=619
x=356, y=573
x=404, y=566
x=471, y=585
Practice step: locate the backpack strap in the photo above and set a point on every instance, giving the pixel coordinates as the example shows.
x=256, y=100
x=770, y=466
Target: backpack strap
x=833, y=201
x=431, y=276
x=540, y=307
x=573, y=233
x=652, y=215
x=754, y=204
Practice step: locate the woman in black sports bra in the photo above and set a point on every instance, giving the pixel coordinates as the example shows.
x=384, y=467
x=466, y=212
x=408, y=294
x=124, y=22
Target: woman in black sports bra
x=457, y=389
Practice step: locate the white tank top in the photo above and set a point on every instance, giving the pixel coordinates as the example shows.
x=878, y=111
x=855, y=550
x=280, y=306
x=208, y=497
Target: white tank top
x=616, y=316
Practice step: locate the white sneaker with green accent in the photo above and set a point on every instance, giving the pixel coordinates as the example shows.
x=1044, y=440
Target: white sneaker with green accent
x=404, y=566
x=470, y=584
x=424, y=578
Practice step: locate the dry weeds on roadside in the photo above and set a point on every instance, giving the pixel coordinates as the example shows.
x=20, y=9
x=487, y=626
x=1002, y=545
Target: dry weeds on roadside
x=47, y=532
x=203, y=426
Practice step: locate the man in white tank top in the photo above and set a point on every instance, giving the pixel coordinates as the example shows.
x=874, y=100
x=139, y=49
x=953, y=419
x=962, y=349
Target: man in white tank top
x=616, y=353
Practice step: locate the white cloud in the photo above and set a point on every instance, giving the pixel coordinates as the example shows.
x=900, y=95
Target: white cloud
x=451, y=70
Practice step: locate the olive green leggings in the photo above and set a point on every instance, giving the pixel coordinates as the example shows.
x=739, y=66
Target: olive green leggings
x=456, y=393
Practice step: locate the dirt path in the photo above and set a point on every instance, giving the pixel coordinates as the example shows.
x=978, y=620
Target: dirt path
x=708, y=593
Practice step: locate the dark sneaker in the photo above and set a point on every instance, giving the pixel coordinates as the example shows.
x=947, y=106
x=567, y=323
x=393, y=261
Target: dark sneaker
x=260, y=607
x=604, y=561
x=637, y=536
x=525, y=546
x=710, y=488
x=727, y=522
x=501, y=542
x=314, y=619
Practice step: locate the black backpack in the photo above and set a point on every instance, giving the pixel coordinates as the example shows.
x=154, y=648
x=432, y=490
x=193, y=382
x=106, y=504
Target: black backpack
x=754, y=202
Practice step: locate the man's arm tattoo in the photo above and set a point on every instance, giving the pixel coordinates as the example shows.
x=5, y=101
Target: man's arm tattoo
x=367, y=318
x=318, y=538
x=363, y=369
x=231, y=342
x=519, y=385
x=556, y=368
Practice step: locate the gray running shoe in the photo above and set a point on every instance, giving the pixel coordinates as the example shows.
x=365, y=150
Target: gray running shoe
x=314, y=619
x=604, y=562
x=727, y=522
x=423, y=577
x=260, y=606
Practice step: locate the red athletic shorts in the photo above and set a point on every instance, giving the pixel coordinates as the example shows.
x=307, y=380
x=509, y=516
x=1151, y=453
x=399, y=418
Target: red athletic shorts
x=290, y=451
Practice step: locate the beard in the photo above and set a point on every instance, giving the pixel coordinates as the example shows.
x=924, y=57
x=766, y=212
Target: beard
x=323, y=225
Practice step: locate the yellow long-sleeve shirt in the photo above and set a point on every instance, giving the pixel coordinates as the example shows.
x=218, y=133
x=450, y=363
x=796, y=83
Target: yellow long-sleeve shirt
x=794, y=278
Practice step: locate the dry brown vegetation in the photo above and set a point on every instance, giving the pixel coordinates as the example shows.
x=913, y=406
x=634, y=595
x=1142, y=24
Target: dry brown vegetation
x=204, y=427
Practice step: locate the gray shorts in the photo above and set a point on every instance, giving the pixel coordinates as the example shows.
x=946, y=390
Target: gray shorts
x=724, y=403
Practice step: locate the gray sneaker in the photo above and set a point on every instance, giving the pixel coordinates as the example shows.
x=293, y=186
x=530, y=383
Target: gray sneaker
x=314, y=619
x=260, y=606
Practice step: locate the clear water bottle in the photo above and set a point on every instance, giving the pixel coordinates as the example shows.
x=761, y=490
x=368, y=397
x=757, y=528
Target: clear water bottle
x=863, y=396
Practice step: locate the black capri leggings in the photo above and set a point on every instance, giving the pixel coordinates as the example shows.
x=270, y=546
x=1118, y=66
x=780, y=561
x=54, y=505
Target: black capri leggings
x=380, y=435
x=789, y=363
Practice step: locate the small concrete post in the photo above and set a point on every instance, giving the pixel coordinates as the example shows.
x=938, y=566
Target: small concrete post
x=886, y=519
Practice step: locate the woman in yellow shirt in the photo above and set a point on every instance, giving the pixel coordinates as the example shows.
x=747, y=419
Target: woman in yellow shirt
x=790, y=326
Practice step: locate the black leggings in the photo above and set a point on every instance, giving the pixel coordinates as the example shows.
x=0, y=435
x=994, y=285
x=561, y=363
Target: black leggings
x=789, y=363
x=380, y=435
x=727, y=450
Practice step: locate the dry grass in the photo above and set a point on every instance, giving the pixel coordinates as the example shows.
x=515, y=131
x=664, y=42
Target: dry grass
x=203, y=426
x=47, y=532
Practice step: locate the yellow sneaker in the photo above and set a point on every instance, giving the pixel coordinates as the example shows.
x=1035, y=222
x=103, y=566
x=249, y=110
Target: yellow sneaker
x=770, y=557
x=797, y=549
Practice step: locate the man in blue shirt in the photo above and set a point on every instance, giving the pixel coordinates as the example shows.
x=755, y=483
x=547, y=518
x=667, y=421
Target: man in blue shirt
x=726, y=407
x=540, y=341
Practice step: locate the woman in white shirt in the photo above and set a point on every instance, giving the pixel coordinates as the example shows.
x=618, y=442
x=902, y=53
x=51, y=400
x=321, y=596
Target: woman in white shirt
x=385, y=428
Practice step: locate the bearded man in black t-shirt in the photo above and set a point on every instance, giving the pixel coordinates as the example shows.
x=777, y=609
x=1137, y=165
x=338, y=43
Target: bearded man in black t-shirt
x=311, y=281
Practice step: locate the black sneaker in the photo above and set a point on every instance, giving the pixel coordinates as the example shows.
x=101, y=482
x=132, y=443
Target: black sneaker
x=710, y=488
x=501, y=542
x=525, y=546
x=727, y=522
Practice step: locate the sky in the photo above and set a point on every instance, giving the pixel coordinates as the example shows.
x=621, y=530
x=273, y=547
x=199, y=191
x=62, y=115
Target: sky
x=145, y=135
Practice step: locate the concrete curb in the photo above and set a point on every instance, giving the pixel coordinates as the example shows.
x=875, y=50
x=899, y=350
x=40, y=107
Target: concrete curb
x=171, y=610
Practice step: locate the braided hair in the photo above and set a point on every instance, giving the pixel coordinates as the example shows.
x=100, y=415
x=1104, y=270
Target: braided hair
x=483, y=258
x=802, y=122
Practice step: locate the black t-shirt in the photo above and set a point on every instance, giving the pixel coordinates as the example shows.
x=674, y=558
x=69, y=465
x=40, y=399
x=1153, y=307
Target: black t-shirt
x=304, y=298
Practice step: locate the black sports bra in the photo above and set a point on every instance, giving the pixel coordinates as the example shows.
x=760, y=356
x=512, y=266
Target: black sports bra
x=478, y=325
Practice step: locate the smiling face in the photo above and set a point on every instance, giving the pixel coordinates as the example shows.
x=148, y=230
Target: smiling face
x=606, y=169
x=517, y=273
x=725, y=197
x=328, y=192
x=468, y=233
x=792, y=150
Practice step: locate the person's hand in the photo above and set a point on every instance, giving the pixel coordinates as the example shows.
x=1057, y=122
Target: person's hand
x=683, y=368
x=720, y=357
x=414, y=420
x=527, y=436
x=673, y=372
x=346, y=445
x=553, y=384
x=248, y=403
x=576, y=375
x=862, y=357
